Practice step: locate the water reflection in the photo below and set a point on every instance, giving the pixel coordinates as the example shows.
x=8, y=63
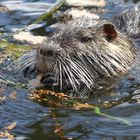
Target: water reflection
x=35, y=121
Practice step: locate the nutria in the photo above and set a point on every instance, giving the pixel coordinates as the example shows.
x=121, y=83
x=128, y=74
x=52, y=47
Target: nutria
x=81, y=53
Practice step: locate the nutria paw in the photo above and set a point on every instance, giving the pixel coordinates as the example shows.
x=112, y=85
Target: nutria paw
x=49, y=80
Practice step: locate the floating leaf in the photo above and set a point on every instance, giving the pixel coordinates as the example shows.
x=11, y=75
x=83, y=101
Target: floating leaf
x=13, y=95
x=11, y=126
x=5, y=134
x=121, y=120
x=97, y=110
x=2, y=99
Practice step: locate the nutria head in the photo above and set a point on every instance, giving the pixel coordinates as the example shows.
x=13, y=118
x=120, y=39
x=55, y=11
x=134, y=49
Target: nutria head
x=85, y=50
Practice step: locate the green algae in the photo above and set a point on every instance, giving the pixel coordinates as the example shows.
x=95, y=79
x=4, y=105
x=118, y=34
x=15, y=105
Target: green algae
x=13, y=50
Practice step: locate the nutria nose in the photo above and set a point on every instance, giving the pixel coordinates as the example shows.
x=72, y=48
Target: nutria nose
x=46, y=52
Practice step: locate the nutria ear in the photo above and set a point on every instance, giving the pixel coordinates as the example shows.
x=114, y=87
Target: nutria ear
x=109, y=31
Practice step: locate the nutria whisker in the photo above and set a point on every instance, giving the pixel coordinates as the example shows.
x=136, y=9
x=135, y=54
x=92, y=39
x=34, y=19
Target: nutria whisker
x=60, y=75
x=69, y=74
x=81, y=72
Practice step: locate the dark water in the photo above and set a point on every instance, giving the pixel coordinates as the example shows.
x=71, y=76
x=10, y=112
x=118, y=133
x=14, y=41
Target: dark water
x=37, y=122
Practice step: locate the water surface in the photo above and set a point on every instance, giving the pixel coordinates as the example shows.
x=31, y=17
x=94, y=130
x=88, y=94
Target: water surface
x=38, y=122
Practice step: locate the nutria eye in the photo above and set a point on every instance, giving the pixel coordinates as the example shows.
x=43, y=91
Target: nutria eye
x=86, y=39
x=41, y=51
x=50, y=53
x=46, y=52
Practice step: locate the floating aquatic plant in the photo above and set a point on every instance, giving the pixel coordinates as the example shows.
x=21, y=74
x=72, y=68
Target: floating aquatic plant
x=49, y=12
x=61, y=100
